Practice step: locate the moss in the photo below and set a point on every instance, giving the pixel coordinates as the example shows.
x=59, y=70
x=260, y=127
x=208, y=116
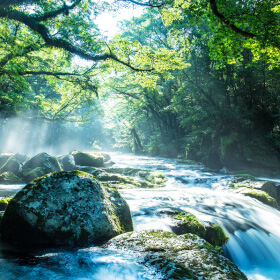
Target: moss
x=4, y=203
x=177, y=257
x=238, y=186
x=262, y=196
x=189, y=224
x=211, y=232
x=172, y=270
x=216, y=236
x=246, y=176
x=157, y=178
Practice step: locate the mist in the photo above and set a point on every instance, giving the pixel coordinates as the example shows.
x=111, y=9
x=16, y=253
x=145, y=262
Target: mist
x=30, y=137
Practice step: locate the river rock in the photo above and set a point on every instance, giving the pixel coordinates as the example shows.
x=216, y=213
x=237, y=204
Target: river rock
x=265, y=191
x=177, y=257
x=184, y=222
x=65, y=208
x=67, y=163
x=88, y=159
x=43, y=160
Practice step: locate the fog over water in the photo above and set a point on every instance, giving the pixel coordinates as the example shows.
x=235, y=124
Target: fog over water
x=24, y=136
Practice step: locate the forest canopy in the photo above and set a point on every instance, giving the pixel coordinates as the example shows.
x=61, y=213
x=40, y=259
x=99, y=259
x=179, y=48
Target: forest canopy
x=196, y=78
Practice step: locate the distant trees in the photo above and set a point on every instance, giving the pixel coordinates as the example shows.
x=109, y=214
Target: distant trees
x=213, y=107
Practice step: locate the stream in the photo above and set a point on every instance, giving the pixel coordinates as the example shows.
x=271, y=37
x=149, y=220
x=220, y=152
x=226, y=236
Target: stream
x=254, y=228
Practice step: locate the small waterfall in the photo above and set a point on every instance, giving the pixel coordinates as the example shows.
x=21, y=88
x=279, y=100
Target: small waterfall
x=254, y=228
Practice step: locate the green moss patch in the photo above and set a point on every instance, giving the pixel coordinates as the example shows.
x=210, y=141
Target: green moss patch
x=261, y=196
x=211, y=232
x=4, y=203
x=264, y=191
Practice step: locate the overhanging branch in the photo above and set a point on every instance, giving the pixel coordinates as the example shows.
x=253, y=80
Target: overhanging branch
x=234, y=28
x=42, y=30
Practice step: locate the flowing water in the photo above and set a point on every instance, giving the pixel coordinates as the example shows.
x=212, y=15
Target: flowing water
x=253, y=227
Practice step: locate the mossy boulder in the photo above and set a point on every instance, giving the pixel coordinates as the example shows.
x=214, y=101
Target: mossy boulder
x=150, y=180
x=43, y=160
x=177, y=257
x=88, y=159
x=4, y=203
x=184, y=222
x=265, y=191
x=65, y=208
x=11, y=165
x=9, y=178
x=133, y=178
x=262, y=196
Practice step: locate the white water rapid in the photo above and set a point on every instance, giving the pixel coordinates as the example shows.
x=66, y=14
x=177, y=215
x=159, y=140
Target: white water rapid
x=253, y=227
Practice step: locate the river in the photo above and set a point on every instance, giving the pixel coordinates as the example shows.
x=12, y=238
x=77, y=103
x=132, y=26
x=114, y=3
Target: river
x=253, y=227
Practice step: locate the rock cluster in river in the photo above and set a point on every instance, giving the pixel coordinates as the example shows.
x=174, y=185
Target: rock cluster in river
x=18, y=169
x=177, y=257
x=265, y=191
x=65, y=208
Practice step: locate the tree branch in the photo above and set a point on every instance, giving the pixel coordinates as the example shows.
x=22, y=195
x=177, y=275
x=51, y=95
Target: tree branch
x=64, y=9
x=61, y=43
x=149, y=3
x=233, y=27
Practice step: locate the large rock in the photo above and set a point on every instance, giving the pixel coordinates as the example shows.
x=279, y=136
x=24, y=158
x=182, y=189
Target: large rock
x=88, y=159
x=43, y=160
x=65, y=208
x=177, y=257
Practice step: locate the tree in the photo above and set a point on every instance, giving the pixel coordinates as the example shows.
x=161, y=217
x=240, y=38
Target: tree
x=236, y=25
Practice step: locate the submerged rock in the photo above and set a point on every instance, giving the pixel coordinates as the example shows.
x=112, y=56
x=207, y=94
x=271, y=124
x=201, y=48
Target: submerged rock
x=178, y=257
x=88, y=159
x=65, y=208
x=9, y=178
